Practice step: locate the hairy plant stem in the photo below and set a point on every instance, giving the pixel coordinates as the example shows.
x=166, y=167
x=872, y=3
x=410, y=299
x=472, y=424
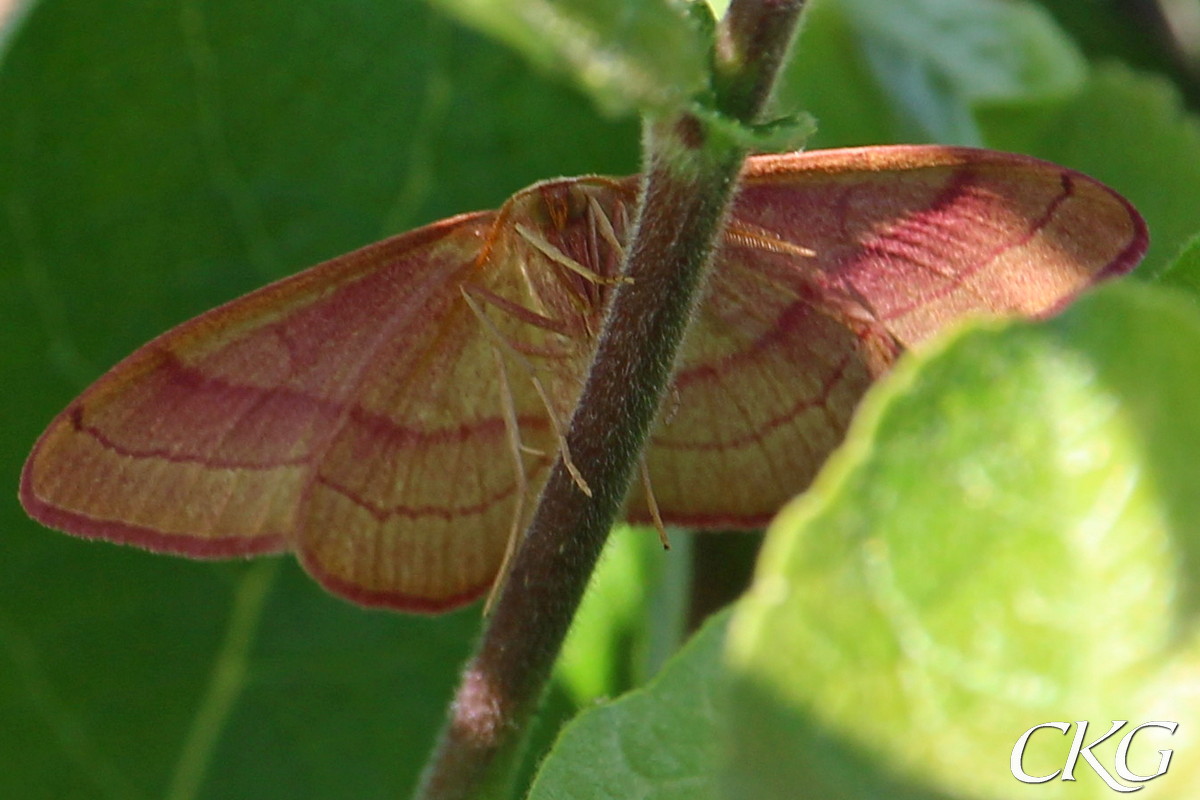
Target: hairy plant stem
x=690, y=179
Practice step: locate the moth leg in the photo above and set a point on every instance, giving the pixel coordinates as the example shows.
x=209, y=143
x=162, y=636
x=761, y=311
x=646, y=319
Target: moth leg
x=746, y=234
x=600, y=229
x=605, y=226
x=555, y=424
x=562, y=259
x=652, y=504
x=517, y=448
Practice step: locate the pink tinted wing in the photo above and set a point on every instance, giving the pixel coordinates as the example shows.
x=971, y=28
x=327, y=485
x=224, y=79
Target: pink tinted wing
x=351, y=412
x=416, y=495
x=363, y=413
x=833, y=263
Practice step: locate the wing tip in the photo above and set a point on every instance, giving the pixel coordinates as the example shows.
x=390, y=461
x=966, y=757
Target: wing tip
x=1139, y=240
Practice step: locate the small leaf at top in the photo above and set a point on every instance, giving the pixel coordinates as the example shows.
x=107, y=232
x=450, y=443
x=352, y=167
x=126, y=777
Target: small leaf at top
x=629, y=55
x=940, y=58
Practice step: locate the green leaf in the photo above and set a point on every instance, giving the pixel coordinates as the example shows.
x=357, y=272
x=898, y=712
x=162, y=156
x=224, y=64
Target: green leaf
x=627, y=54
x=157, y=159
x=1008, y=537
x=655, y=743
x=874, y=72
x=851, y=110
x=937, y=60
x=1184, y=271
x=1129, y=130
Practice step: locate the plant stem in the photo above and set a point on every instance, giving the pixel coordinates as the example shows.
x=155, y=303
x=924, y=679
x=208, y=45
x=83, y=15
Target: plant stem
x=689, y=183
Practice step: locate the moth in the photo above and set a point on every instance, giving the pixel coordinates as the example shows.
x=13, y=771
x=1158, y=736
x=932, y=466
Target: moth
x=388, y=415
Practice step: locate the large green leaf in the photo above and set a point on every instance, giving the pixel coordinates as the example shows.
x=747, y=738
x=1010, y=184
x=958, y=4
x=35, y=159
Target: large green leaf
x=1009, y=537
x=157, y=158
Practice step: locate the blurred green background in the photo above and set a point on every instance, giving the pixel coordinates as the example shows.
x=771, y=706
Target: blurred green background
x=158, y=158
